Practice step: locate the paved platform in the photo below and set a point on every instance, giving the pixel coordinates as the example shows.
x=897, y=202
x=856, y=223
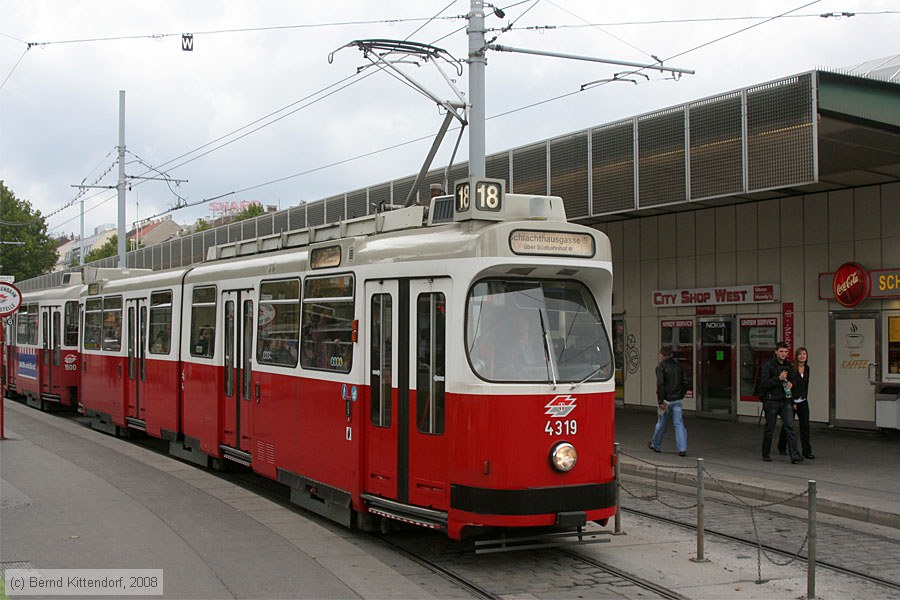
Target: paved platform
x=857, y=473
x=73, y=498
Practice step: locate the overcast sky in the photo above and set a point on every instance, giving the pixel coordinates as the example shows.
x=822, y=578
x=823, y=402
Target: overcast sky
x=59, y=96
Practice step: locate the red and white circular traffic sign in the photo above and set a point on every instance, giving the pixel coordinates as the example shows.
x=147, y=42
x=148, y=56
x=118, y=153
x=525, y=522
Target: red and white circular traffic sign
x=10, y=299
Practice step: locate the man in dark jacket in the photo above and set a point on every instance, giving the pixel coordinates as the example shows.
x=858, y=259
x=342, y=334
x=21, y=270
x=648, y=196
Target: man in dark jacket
x=775, y=391
x=669, y=394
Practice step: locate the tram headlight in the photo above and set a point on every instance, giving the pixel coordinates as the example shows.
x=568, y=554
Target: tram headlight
x=563, y=457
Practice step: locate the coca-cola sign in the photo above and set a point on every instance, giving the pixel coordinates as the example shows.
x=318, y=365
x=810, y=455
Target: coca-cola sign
x=850, y=285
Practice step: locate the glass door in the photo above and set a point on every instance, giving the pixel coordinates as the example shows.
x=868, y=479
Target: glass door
x=716, y=366
x=757, y=347
x=678, y=335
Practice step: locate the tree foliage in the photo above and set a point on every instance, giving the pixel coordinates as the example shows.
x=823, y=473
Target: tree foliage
x=202, y=225
x=254, y=210
x=19, y=222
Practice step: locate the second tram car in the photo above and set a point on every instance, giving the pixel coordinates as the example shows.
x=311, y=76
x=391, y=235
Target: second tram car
x=42, y=347
x=448, y=367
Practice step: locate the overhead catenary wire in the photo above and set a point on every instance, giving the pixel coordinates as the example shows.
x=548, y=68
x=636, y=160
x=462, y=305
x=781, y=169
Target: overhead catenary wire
x=401, y=144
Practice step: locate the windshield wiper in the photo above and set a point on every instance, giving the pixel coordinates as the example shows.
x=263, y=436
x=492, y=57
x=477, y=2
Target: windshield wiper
x=548, y=349
x=591, y=374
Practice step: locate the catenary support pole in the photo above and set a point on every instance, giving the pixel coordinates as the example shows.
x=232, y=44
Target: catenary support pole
x=121, y=183
x=477, y=113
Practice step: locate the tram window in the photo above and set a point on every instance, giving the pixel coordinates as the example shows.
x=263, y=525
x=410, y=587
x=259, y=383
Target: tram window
x=160, y=322
x=70, y=320
x=112, y=323
x=27, y=325
x=430, y=360
x=93, y=321
x=326, y=337
x=278, y=337
x=203, y=322
x=45, y=334
x=380, y=377
x=536, y=331
x=247, y=349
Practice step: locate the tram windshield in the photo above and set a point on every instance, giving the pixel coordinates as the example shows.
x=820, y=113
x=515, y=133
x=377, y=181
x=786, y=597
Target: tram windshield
x=536, y=331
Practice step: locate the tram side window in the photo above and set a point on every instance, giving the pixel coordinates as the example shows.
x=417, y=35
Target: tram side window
x=278, y=338
x=112, y=323
x=203, y=322
x=27, y=325
x=93, y=323
x=160, y=322
x=70, y=321
x=326, y=340
x=381, y=358
x=430, y=360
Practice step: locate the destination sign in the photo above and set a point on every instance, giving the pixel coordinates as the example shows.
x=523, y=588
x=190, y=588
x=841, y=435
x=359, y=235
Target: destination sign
x=551, y=243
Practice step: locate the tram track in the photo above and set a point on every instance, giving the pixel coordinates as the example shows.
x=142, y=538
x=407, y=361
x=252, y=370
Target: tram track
x=453, y=561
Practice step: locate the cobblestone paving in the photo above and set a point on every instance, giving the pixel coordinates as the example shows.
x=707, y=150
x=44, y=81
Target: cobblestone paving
x=873, y=554
x=523, y=574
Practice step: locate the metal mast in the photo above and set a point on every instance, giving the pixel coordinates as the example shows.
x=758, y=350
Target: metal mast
x=120, y=186
x=477, y=63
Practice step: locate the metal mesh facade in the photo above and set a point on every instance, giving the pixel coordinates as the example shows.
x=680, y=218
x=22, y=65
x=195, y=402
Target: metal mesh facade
x=529, y=170
x=568, y=166
x=357, y=204
x=780, y=133
x=661, y=150
x=334, y=209
x=612, y=168
x=495, y=167
x=700, y=147
x=716, y=147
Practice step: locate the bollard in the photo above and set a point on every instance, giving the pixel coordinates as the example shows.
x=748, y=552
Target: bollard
x=618, y=518
x=700, y=526
x=811, y=541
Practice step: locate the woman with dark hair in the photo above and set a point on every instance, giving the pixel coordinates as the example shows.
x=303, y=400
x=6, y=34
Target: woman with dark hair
x=800, y=377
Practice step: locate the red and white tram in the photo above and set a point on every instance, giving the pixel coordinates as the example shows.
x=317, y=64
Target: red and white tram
x=450, y=368
x=42, y=347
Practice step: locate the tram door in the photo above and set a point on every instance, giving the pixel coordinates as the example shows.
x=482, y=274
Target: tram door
x=381, y=433
x=136, y=324
x=427, y=453
x=51, y=336
x=237, y=339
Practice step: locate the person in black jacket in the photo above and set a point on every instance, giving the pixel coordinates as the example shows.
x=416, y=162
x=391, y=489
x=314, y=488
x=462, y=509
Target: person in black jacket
x=800, y=377
x=775, y=385
x=669, y=394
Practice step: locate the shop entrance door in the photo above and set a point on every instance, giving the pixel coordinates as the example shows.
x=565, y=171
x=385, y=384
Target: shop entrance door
x=855, y=345
x=716, y=368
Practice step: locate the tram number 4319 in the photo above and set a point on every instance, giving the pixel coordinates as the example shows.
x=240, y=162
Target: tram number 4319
x=569, y=427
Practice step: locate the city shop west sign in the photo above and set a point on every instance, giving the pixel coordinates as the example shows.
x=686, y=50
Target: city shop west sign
x=729, y=294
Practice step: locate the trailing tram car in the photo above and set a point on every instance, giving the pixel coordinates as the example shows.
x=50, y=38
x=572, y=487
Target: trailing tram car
x=131, y=375
x=42, y=350
x=448, y=366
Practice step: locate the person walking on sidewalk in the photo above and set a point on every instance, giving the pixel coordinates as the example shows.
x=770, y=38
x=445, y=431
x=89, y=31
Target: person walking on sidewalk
x=775, y=387
x=801, y=406
x=669, y=394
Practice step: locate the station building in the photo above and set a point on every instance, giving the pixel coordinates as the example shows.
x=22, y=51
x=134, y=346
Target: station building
x=766, y=213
